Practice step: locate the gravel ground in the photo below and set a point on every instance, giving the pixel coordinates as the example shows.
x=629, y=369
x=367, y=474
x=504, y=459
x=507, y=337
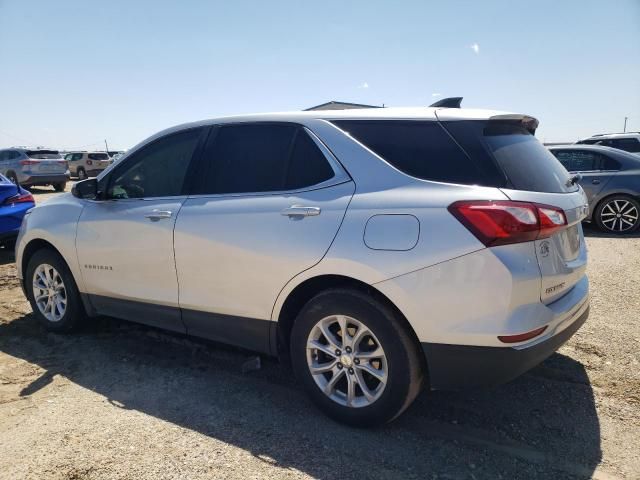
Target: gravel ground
x=123, y=401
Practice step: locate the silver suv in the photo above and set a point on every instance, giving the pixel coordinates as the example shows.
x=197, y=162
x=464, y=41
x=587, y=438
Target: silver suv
x=87, y=164
x=629, y=141
x=377, y=250
x=34, y=167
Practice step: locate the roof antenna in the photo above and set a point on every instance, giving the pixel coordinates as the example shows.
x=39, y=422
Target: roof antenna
x=449, y=102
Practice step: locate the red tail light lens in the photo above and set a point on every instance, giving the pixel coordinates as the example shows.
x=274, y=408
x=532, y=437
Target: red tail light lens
x=503, y=222
x=20, y=198
x=28, y=162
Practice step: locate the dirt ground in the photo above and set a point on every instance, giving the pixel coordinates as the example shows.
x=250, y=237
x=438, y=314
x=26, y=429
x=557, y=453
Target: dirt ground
x=123, y=401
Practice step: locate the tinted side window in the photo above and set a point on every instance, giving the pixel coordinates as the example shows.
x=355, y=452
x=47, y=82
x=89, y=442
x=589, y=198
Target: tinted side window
x=626, y=144
x=578, y=161
x=609, y=163
x=526, y=164
x=247, y=158
x=308, y=165
x=158, y=170
x=422, y=149
x=98, y=156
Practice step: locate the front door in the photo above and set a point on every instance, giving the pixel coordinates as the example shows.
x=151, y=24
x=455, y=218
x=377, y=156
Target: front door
x=268, y=207
x=125, y=239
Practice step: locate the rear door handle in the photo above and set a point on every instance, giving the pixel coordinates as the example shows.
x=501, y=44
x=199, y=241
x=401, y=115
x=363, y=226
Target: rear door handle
x=595, y=181
x=156, y=215
x=298, y=211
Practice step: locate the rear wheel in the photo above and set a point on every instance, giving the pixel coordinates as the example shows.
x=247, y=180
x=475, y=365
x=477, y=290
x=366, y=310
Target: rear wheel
x=355, y=358
x=52, y=292
x=59, y=187
x=619, y=214
x=82, y=175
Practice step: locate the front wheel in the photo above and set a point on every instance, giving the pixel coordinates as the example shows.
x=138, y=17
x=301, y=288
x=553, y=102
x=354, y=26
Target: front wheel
x=355, y=358
x=52, y=292
x=82, y=175
x=619, y=214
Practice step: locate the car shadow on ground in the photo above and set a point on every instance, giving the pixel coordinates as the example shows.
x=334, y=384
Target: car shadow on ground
x=591, y=230
x=7, y=255
x=543, y=424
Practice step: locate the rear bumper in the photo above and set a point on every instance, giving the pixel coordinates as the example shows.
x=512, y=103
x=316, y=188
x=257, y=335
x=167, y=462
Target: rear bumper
x=454, y=367
x=44, y=179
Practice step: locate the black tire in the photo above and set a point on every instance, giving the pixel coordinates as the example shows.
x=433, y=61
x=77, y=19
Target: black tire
x=59, y=187
x=404, y=359
x=606, y=213
x=82, y=175
x=74, y=313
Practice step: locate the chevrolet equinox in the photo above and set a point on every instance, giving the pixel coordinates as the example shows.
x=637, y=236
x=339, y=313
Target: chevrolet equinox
x=376, y=250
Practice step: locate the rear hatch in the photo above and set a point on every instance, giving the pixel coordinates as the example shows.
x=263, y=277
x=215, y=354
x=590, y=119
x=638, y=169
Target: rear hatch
x=99, y=161
x=46, y=162
x=526, y=171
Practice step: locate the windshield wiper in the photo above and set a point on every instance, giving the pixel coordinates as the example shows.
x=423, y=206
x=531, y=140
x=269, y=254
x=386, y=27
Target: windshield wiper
x=573, y=179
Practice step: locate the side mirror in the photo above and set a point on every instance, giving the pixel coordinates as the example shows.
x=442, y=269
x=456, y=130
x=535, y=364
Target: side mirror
x=87, y=189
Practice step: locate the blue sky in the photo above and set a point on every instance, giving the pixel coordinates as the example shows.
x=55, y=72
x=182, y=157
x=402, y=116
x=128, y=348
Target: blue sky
x=76, y=72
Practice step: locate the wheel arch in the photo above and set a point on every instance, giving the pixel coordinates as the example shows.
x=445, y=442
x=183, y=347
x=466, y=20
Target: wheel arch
x=30, y=249
x=36, y=244
x=306, y=290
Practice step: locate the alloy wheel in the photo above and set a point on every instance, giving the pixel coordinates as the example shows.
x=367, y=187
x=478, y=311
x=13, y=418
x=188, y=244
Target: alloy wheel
x=49, y=292
x=346, y=361
x=619, y=215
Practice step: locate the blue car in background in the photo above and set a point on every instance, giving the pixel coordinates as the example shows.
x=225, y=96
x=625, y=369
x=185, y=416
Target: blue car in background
x=14, y=203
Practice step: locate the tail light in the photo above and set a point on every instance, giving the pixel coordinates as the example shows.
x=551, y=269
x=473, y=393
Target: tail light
x=503, y=222
x=28, y=162
x=89, y=162
x=64, y=163
x=19, y=198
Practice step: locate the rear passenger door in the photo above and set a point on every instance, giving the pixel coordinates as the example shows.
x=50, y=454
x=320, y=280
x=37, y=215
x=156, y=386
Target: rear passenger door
x=268, y=205
x=596, y=169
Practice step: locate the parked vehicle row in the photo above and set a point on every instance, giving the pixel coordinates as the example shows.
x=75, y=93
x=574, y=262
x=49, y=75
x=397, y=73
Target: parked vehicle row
x=611, y=180
x=34, y=167
x=379, y=250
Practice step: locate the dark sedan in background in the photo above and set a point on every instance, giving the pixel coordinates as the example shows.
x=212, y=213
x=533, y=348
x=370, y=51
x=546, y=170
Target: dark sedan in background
x=611, y=180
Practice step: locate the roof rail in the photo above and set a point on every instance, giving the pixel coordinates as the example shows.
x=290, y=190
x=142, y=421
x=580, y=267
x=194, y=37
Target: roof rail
x=449, y=102
x=613, y=133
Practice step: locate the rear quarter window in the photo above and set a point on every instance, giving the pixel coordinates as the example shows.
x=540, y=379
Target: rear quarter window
x=422, y=149
x=98, y=156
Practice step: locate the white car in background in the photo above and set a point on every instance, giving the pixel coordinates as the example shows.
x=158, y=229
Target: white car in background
x=87, y=164
x=629, y=142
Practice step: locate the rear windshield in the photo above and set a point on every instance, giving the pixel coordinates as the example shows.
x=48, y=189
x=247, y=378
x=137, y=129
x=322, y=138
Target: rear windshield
x=422, y=149
x=44, y=154
x=98, y=156
x=525, y=163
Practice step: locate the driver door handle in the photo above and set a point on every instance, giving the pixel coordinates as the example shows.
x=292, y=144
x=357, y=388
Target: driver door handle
x=156, y=215
x=297, y=211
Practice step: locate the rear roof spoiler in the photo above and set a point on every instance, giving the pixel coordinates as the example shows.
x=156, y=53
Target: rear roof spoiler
x=450, y=102
x=529, y=123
